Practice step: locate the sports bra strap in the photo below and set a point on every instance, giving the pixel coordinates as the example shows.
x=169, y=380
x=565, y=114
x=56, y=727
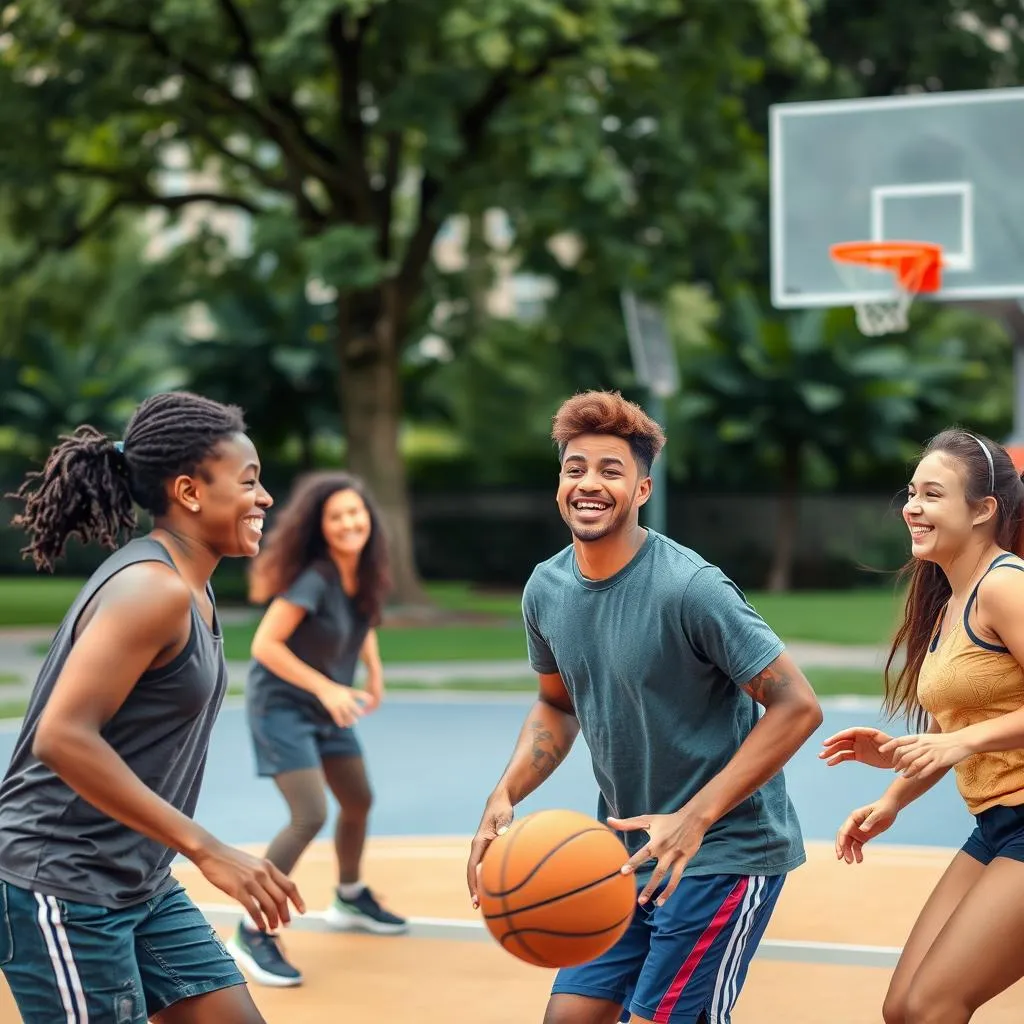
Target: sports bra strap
x=996, y=563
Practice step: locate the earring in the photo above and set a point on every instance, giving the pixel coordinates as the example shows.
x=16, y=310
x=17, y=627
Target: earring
x=195, y=508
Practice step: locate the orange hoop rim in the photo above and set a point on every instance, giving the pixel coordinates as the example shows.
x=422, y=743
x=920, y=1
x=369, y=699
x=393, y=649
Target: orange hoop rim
x=916, y=265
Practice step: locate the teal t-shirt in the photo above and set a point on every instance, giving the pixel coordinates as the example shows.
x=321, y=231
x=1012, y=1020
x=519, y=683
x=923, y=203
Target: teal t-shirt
x=653, y=659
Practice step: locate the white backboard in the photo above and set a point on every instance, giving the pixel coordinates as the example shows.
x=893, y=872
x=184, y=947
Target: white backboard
x=936, y=167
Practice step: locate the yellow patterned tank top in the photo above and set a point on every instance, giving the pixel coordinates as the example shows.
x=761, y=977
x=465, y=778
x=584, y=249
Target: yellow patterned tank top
x=964, y=680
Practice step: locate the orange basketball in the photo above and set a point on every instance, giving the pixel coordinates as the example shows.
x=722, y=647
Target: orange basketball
x=552, y=890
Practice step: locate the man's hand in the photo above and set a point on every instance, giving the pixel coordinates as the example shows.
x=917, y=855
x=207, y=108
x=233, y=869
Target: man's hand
x=674, y=839
x=495, y=822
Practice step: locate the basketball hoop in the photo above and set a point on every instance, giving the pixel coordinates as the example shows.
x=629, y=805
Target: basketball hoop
x=894, y=273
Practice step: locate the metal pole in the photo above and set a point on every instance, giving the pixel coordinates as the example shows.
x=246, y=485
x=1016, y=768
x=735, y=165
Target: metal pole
x=1015, y=443
x=657, y=503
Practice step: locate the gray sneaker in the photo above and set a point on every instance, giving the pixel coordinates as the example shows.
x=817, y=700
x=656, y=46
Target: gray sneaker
x=364, y=912
x=259, y=955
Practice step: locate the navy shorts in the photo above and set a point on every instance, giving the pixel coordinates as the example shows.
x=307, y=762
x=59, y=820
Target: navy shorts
x=999, y=833
x=78, y=962
x=687, y=958
x=287, y=737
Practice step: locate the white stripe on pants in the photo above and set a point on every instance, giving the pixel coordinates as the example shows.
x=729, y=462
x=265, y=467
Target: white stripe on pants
x=72, y=996
x=728, y=972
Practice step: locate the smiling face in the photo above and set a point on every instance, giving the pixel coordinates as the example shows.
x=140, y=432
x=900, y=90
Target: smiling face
x=231, y=500
x=600, y=486
x=937, y=512
x=346, y=524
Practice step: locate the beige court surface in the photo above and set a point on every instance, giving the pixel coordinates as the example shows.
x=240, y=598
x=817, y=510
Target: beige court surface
x=354, y=977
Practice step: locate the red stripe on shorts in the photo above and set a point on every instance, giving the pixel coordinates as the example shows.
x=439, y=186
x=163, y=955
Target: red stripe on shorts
x=683, y=975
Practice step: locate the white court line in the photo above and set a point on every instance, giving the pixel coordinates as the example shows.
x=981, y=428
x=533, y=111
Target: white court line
x=462, y=930
x=389, y=848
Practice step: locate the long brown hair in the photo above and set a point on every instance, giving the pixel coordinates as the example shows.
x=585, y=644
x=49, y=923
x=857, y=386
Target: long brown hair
x=929, y=589
x=296, y=541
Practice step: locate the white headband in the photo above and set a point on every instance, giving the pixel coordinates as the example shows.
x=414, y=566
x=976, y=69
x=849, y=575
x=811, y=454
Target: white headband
x=991, y=464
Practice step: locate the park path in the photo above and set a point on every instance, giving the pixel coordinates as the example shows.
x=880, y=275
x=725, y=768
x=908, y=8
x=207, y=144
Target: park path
x=19, y=659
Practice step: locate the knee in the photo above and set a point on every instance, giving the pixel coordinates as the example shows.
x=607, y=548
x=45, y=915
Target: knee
x=894, y=1010
x=308, y=821
x=356, y=803
x=929, y=1007
x=573, y=1009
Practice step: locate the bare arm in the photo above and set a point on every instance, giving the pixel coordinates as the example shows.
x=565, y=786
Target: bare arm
x=141, y=614
x=792, y=713
x=369, y=654
x=270, y=648
x=1000, y=603
x=544, y=742
x=141, y=617
x=904, y=791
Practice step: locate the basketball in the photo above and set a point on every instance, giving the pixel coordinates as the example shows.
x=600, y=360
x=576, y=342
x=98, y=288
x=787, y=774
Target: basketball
x=552, y=892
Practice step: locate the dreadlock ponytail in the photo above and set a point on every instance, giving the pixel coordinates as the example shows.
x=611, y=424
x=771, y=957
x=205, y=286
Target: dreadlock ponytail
x=82, y=491
x=89, y=485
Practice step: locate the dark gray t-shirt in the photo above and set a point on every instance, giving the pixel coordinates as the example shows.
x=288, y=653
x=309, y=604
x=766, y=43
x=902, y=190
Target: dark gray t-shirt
x=54, y=842
x=653, y=659
x=329, y=639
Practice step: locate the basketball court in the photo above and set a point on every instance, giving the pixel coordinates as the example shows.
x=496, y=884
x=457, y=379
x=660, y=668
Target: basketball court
x=828, y=953
x=919, y=193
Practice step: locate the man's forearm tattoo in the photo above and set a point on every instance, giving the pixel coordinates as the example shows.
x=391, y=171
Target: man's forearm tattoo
x=767, y=685
x=546, y=754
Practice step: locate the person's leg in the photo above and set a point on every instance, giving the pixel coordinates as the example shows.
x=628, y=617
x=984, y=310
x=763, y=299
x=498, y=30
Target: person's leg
x=260, y=953
x=188, y=975
x=354, y=905
x=960, y=877
x=228, y=1006
x=596, y=992
x=566, y=1009
x=286, y=751
x=979, y=951
x=67, y=961
x=703, y=940
x=303, y=792
x=347, y=779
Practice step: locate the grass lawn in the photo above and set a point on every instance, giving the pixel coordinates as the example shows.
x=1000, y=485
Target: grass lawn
x=832, y=616
x=35, y=600
x=436, y=643
x=840, y=617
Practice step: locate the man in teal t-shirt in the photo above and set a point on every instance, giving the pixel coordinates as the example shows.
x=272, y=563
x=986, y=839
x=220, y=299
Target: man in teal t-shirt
x=690, y=708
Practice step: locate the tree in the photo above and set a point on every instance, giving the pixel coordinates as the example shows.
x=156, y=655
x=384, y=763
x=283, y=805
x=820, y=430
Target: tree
x=266, y=345
x=788, y=390
x=351, y=130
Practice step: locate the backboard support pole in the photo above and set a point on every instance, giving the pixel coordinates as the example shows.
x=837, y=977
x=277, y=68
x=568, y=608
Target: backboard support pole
x=657, y=369
x=1015, y=443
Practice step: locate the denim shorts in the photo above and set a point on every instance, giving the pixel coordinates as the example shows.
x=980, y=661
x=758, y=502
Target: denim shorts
x=999, y=833
x=73, y=962
x=287, y=737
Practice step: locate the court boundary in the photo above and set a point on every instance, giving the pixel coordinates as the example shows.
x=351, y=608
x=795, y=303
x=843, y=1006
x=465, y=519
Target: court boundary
x=457, y=930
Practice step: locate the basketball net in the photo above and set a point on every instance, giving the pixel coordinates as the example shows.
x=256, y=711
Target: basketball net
x=885, y=278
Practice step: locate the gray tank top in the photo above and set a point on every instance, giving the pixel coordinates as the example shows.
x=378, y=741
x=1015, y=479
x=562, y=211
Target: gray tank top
x=54, y=842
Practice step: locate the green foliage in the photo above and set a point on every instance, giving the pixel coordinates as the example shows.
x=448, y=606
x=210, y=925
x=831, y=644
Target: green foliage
x=774, y=382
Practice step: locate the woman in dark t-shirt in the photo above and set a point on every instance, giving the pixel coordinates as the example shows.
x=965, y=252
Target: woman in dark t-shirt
x=324, y=570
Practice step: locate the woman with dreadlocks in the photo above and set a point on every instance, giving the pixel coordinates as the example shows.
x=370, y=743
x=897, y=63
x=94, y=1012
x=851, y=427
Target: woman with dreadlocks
x=105, y=775
x=324, y=573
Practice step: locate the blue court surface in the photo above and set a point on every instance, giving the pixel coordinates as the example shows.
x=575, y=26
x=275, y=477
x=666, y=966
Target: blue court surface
x=434, y=758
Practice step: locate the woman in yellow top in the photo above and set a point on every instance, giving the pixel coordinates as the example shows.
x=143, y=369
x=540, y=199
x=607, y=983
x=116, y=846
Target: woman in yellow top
x=963, y=637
